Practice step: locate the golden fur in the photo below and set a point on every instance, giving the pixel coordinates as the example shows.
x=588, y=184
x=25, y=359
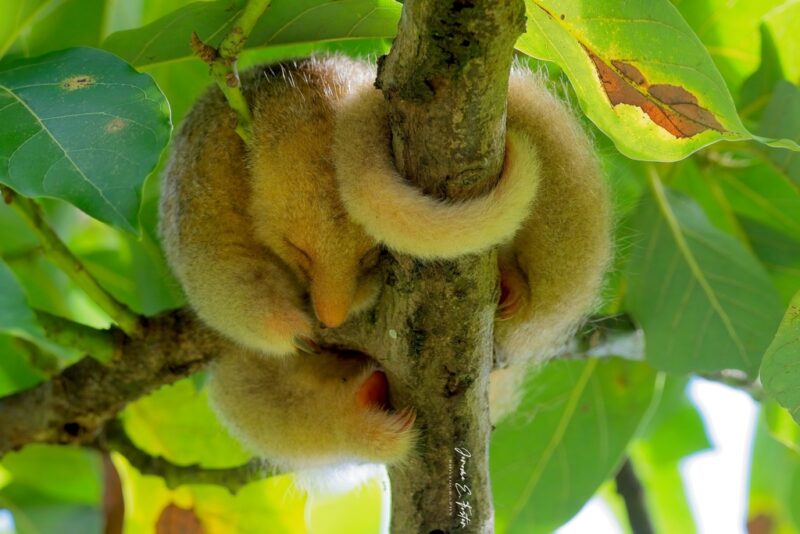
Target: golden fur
x=258, y=239
x=554, y=250
x=399, y=215
x=308, y=411
x=254, y=235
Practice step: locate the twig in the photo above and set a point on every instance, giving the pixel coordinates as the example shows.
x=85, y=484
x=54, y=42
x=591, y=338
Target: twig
x=96, y=343
x=114, y=438
x=222, y=61
x=630, y=489
x=72, y=266
x=738, y=380
x=73, y=405
x=39, y=359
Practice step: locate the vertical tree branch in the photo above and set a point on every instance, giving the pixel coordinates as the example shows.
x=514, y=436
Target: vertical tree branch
x=629, y=487
x=446, y=81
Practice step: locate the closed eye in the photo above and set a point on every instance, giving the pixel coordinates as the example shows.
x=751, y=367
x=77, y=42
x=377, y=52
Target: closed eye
x=304, y=260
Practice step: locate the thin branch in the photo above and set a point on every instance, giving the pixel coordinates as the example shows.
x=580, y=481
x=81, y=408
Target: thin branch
x=56, y=250
x=630, y=489
x=114, y=438
x=96, y=343
x=73, y=405
x=738, y=380
x=223, y=60
x=39, y=359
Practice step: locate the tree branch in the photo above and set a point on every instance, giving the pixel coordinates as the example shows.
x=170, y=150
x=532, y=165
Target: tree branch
x=73, y=405
x=69, y=263
x=114, y=438
x=222, y=61
x=96, y=343
x=630, y=489
x=446, y=81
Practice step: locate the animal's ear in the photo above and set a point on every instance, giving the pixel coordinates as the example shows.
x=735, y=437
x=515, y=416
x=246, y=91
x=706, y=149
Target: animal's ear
x=399, y=215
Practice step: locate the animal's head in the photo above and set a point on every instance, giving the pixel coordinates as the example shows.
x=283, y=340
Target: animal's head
x=297, y=213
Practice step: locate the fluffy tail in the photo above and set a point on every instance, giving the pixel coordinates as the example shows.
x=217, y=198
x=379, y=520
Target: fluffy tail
x=399, y=215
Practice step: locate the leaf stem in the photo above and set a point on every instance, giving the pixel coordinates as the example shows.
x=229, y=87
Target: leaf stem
x=114, y=438
x=98, y=344
x=222, y=61
x=57, y=251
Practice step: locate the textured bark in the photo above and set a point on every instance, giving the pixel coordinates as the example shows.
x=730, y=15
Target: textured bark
x=446, y=81
x=73, y=406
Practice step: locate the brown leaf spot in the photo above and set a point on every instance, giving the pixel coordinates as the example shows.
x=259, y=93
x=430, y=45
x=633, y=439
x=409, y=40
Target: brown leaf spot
x=629, y=71
x=671, y=94
x=115, y=125
x=673, y=108
x=175, y=520
x=760, y=524
x=74, y=83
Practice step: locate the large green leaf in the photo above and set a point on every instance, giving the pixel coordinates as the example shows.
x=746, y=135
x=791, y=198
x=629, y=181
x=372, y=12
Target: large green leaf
x=704, y=302
x=640, y=73
x=285, y=22
x=177, y=423
x=542, y=469
x=780, y=370
x=87, y=128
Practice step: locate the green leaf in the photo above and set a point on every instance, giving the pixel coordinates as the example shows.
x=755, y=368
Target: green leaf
x=757, y=89
x=75, y=22
x=285, y=22
x=774, y=484
x=543, y=446
x=16, y=373
x=62, y=473
x=17, y=17
x=16, y=317
x=704, y=189
x=177, y=423
x=779, y=253
x=729, y=30
x=782, y=119
x=762, y=194
x=640, y=74
x=781, y=425
x=704, y=302
x=53, y=489
x=783, y=22
x=780, y=370
x=87, y=129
